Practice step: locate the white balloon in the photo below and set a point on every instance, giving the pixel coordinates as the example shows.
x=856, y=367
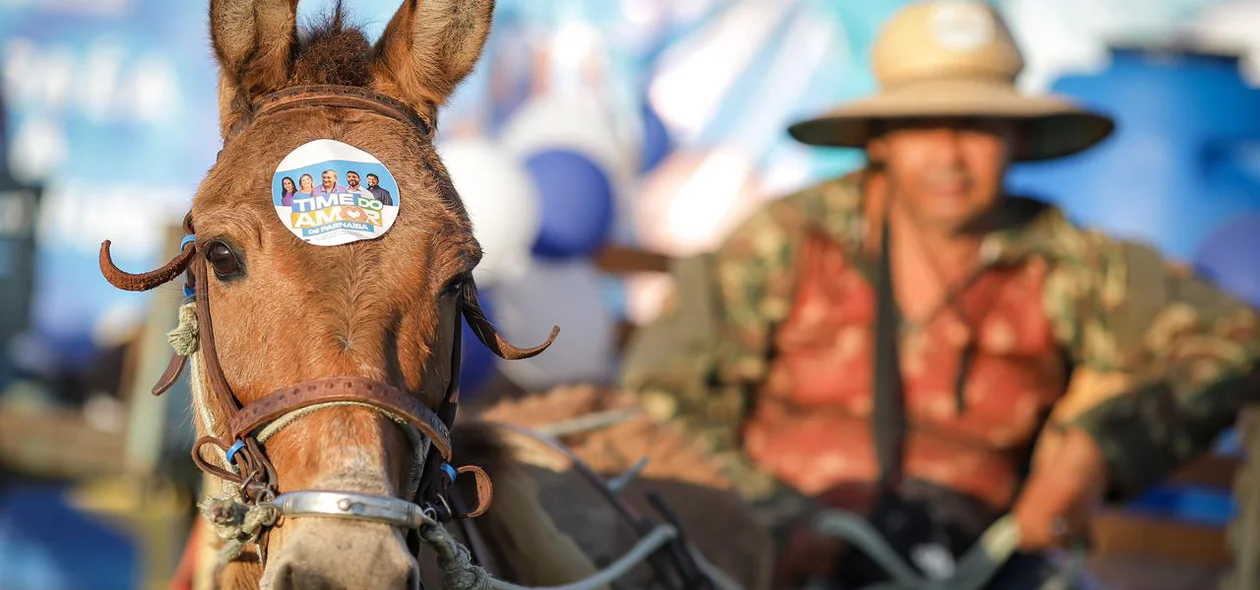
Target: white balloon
x=694, y=199
x=578, y=121
x=1231, y=26
x=501, y=200
x=581, y=122
x=568, y=294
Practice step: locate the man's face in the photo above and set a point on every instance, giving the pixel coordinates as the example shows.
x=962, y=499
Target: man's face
x=352, y=179
x=330, y=179
x=947, y=173
x=371, y=181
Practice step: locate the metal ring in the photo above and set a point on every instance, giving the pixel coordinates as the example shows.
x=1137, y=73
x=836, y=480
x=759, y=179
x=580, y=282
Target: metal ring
x=437, y=515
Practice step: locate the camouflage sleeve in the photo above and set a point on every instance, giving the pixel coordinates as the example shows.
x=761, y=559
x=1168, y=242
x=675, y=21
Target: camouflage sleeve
x=1187, y=353
x=700, y=361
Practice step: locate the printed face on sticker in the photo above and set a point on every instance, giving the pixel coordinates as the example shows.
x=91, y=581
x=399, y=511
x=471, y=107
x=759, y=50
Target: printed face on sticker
x=337, y=208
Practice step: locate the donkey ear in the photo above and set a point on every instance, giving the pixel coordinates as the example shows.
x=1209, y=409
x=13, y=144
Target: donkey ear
x=254, y=41
x=429, y=47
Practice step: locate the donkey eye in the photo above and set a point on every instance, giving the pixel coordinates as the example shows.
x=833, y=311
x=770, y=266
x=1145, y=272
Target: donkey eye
x=222, y=260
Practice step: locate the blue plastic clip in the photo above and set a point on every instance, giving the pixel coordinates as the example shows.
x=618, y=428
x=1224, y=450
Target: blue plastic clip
x=188, y=239
x=450, y=471
x=233, y=450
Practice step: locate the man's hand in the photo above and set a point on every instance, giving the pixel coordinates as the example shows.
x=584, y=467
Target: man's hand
x=1059, y=499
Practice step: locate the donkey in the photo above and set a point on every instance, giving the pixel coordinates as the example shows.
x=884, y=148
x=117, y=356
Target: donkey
x=325, y=378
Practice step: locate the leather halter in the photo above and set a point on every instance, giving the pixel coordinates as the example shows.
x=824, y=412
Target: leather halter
x=325, y=95
x=248, y=464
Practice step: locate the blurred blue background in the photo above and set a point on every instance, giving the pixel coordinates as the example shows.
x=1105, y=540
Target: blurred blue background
x=654, y=124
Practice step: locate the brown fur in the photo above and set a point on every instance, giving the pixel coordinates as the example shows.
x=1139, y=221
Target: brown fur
x=334, y=53
x=420, y=59
x=254, y=42
x=688, y=478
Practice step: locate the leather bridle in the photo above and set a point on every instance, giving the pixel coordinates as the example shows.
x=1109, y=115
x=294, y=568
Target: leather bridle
x=248, y=466
x=242, y=438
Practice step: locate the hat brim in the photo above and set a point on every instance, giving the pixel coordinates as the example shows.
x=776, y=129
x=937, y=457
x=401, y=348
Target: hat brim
x=1054, y=127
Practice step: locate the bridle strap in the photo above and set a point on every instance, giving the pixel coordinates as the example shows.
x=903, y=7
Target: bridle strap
x=387, y=398
x=205, y=337
x=433, y=486
x=325, y=95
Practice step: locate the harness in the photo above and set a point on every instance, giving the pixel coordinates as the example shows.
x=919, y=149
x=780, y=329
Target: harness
x=250, y=505
x=246, y=468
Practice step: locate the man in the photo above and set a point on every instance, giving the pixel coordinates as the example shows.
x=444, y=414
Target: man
x=374, y=187
x=912, y=388
x=352, y=185
x=328, y=184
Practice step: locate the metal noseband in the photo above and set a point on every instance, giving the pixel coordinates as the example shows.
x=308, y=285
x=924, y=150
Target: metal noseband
x=349, y=505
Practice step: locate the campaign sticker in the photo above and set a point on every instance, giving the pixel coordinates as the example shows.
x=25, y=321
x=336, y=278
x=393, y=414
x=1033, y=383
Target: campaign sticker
x=330, y=193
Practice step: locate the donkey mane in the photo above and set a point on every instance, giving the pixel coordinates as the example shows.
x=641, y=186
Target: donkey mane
x=332, y=51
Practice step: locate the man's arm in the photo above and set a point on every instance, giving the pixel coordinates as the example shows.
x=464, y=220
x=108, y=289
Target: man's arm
x=700, y=361
x=1189, y=350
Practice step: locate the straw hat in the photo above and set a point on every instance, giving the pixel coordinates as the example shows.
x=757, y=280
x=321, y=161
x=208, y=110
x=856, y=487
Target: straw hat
x=955, y=59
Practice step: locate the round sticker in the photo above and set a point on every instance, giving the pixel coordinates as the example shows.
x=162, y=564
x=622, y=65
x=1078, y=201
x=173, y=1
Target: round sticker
x=962, y=26
x=330, y=193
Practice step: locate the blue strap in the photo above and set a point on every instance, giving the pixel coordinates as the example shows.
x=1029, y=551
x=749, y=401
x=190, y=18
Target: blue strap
x=233, y=450
x=188, y=239
x=450, y=471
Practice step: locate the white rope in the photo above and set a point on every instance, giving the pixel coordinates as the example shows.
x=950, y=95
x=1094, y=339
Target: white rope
x=280, y=423
x=646, y=546
x=420, y=444
x=184, y=340
x=975, y=569
x=237, y=524
x=462, y=574
x=715, y=574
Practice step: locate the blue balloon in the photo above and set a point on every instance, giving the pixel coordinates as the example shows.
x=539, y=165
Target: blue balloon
x=477, y=366
x=577, y=203
x=1228, y=259
x=656, y=140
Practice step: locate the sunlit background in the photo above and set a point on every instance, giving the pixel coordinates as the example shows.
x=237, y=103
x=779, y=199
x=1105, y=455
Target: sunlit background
x=635, y=126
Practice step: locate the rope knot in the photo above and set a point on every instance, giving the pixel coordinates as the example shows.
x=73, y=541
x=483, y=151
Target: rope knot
x=237, y=524
x=184, y=337
x=456, y=563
